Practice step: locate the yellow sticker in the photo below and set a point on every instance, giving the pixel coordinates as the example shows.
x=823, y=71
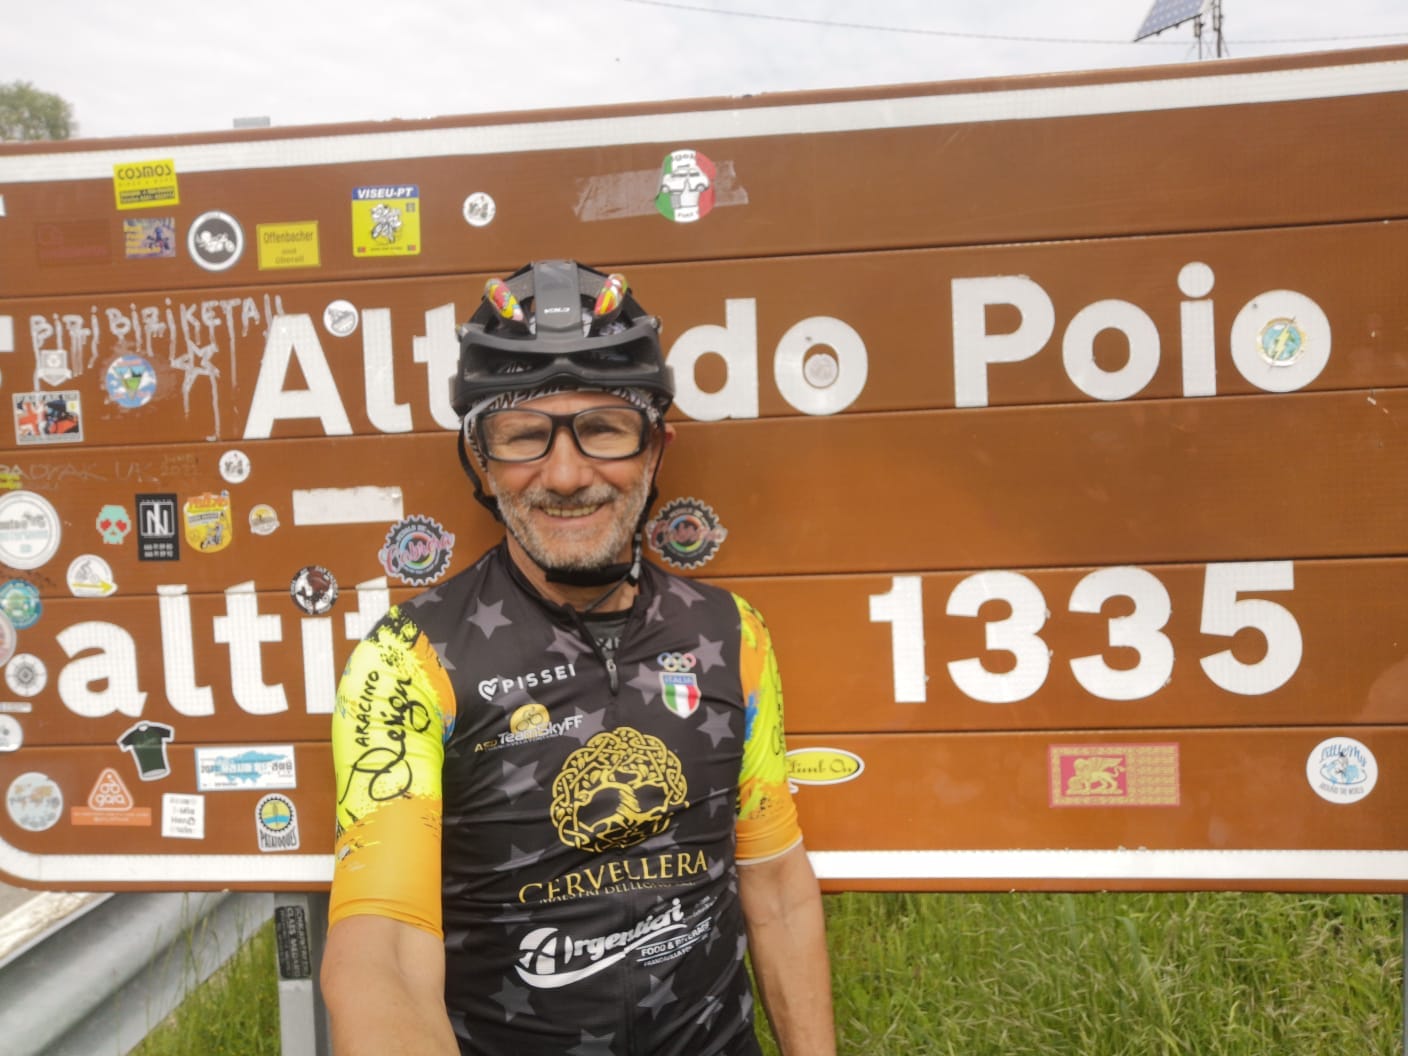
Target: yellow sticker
x=208, y=524
x=292, y=245
x=143, y=184
x=386, y=221
x=823, y=766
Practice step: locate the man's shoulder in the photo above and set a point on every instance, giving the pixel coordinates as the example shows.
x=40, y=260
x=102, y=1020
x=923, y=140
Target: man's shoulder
x=443, y=600
x=692, y=591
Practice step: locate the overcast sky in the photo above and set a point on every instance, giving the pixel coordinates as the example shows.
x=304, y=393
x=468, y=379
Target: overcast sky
x=165, y=66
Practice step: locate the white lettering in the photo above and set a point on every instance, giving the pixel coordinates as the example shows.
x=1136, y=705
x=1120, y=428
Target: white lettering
x=244, y=630
x=293, y=336
x=974, y=348
x=178, y=654
x=113, y=665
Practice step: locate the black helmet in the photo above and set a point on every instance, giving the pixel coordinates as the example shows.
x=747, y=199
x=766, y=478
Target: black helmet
x=556, y=322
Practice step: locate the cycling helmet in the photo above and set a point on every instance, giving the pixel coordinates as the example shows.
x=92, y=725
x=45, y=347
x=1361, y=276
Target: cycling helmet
x=556, y=323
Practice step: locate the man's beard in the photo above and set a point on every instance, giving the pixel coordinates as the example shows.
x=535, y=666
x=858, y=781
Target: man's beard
x=560, y=552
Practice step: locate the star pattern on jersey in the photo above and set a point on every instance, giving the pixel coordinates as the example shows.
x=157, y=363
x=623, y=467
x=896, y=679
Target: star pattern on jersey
x=710, y=654
x=661, y=994
x=712, y=1007
x=648, y=683
x=717, y=799
x=513, y=1000
x=442, y=650
x=431, y=596
x=745, y=1006
x=489, y=618
x=593, y=722
x=568, y=646
x=518, y=780
x=741, y=948
x=518, y=859
x=687, y=594
x=653, y=614
x=593, y=1045
x=716, y=726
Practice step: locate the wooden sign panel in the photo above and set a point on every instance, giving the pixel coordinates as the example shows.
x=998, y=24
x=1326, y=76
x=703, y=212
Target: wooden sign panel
x=1056, y=425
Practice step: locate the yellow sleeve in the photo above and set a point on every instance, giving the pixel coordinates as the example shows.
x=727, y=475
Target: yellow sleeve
x=395, y=708
x=767, y=818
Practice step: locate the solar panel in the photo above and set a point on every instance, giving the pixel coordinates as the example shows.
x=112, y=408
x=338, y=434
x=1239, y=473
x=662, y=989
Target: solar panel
x=1165, y=14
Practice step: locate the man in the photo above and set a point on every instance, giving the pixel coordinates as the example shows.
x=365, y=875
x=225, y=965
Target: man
x=599, y=741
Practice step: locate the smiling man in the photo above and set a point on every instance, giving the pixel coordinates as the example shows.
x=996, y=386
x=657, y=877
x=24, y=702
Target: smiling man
x=563, y=809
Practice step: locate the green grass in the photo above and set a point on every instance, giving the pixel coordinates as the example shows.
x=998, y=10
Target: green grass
x=1222, y=974
x=233, y=1013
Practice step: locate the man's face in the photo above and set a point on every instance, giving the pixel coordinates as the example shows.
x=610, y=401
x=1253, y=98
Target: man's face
x=568, y=511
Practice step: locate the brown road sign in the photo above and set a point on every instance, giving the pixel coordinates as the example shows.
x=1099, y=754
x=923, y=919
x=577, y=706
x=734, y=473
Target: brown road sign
x=1054, y=423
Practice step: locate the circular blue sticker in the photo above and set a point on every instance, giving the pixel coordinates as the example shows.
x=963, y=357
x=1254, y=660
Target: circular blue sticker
x=130, y=381
x=19, y=600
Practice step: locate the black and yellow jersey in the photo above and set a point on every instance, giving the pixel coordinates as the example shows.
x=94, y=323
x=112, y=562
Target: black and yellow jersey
x=577, y=815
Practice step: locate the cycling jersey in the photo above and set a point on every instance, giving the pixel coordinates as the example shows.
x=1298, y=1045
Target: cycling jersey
x=593, y=807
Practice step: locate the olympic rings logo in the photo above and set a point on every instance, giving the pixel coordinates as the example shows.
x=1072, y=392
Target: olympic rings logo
x=676, y=661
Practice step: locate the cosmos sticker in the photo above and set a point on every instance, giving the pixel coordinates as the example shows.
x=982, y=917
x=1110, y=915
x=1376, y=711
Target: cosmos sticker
x=48, y=418
x=386, y=221
x=26, y=675
x=89, y=576
x=30, y=530
x=34, y=801
x=215, y=241
x=479, y=209
x=1281, y=342
x=20, y=604
x=686, y=190
x=208, y=524
x=113, y=523
x=313, y=589
x=686, y=533
x=142, y=184
x=417, y=551
x=340, y=318
x=276, y=823
x=1114, y=775
x=130, y=381
x=11, y=734
x=1341, y=770
x=147, y=238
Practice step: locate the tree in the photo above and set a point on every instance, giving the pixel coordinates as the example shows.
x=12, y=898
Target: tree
x=28, y=113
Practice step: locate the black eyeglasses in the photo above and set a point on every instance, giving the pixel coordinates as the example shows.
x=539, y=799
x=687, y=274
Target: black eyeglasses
x=521, y=435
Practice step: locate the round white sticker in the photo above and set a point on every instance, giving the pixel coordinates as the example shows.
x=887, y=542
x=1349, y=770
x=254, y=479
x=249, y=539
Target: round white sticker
x=26, y=675
x=89, y=576
x=340, y=318
x=1341, y=770
x=216, y=240
x=34, y=801
x=30, y=530
x=479, y=209
x=11, y=734
x=235, y=467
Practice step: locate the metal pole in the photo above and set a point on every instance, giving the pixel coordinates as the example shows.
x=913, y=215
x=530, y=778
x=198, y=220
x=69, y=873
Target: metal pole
x=300, y=927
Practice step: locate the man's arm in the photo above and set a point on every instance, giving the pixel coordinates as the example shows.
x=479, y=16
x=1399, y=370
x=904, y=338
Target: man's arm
x=787, y=944
x=384, y=984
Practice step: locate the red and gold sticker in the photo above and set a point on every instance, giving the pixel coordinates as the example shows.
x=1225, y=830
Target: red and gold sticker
x=1114, y=775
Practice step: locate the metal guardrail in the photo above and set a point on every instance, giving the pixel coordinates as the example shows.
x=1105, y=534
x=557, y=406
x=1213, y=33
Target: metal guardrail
x=94, y=982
